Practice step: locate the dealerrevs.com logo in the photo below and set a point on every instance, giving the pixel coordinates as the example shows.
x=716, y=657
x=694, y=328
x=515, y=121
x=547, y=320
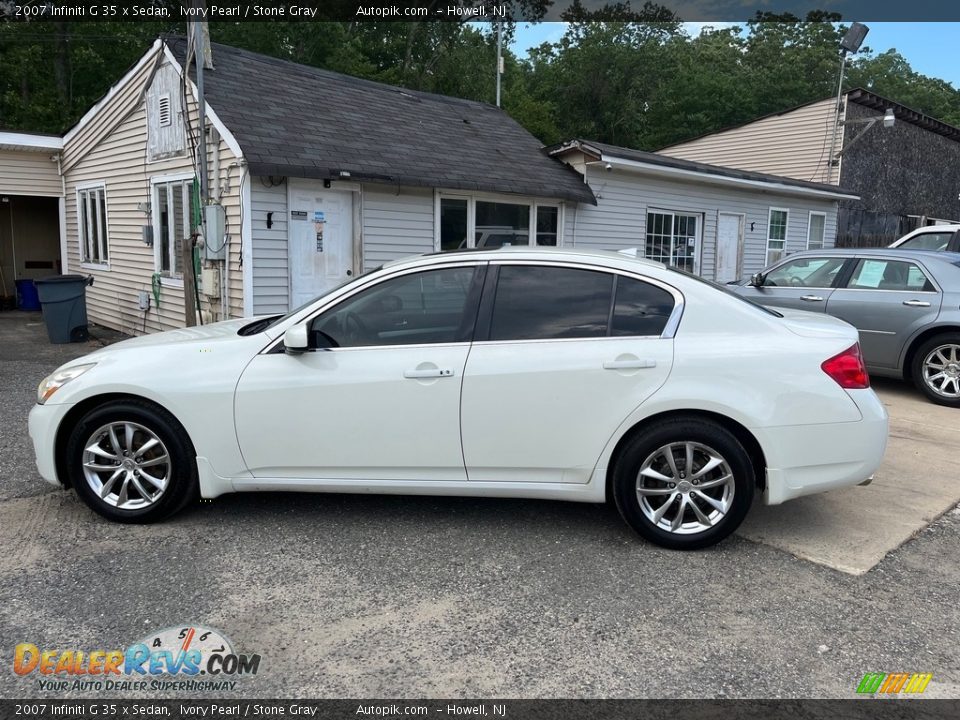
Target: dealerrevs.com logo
x=177, y=658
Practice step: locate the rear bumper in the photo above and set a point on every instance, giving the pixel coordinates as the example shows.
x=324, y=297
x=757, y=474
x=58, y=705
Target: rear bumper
x=43, y=423
x=808, y=459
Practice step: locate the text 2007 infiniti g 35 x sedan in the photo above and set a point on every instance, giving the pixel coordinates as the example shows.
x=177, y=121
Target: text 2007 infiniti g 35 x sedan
x=557, y=374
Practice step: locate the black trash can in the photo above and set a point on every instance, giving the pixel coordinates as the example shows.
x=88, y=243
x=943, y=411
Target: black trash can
x=64, y=302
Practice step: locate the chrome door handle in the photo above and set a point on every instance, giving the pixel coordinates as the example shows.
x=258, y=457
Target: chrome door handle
x=628, y=364
x=916, y=303
x=430, y=373
x=812, y=298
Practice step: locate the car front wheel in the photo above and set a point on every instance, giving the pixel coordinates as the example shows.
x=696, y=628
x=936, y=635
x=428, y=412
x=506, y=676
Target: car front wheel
x=936, y=369
x=132, y=462
x=685, y=484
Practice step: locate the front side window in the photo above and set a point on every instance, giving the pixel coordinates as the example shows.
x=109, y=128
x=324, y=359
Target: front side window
x=672, y=238
x=776, y=234
x=805, y=272
x=889, y=275
x=172, y=225
x=422, y=308
x=92, y=224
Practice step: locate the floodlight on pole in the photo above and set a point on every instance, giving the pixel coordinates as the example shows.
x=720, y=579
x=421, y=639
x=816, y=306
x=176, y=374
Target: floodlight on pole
x=851, y=42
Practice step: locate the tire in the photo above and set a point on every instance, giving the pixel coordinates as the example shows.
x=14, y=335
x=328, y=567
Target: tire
x=145, y=472
x=935, y=369
x=649, y=494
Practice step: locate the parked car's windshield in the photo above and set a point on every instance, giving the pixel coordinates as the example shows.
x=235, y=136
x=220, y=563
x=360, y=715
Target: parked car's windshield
x=725, y=291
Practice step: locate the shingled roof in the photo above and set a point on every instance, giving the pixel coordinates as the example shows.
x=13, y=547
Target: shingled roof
x=299, y=121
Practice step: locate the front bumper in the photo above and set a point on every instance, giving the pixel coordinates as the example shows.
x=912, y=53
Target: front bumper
x=43, y=423
x=808, y=459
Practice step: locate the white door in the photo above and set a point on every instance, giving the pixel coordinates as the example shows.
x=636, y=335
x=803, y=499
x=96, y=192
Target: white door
x=546, y=392
x=729, y=236
x=378, y=398
x=321, y=240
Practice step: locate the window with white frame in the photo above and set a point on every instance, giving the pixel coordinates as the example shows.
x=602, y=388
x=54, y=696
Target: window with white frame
x=172, y=225
x=673, y=238
x=92, y=224
x=776, y=234
x=816, y=230
x=478, y=222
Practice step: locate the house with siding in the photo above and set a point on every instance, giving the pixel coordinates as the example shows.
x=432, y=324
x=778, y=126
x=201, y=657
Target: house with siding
x=905, y=176
x=315, y=177
x=718, y=222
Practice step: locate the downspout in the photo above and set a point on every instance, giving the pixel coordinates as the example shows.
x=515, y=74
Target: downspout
x=63, y=214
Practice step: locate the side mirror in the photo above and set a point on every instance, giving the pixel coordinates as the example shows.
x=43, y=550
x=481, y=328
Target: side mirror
x=756, y=280
x=296, y=340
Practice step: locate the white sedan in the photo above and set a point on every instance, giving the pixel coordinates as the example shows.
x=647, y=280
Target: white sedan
x=560, y=374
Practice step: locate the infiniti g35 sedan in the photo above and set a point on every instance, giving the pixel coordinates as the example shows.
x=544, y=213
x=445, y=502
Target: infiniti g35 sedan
x=905, y=303
x=558, y=374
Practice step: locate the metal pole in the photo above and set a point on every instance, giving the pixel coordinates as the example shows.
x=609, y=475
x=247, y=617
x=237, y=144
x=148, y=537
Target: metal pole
x=836, y=118
x=499, y=58
x=201, y=110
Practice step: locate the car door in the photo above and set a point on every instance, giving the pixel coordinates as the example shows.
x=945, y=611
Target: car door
x=378, y=395
x=561, y=357
x=802, y=283
x=888, y=300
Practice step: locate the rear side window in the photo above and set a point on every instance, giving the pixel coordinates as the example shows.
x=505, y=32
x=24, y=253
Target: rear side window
x=928, y=241
x=543, y=303
x=640, y=308
x=889, y=275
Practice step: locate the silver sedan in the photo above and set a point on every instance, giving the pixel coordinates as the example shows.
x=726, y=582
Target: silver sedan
x=905, y=303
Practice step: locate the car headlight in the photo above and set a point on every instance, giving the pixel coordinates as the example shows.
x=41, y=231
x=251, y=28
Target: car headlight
x=52, y=383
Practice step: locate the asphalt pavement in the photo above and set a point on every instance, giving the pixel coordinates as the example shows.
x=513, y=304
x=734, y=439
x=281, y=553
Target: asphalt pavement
x=365, y=596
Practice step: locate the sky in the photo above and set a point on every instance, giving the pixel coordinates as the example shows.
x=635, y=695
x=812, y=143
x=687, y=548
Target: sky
x=930, y=48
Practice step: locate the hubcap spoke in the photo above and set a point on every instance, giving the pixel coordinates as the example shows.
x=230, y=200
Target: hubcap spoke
x=699, y=513
x=712, y=464
x=148, y=445
x=95, y=449
x=140, y=489
x=99, y=468
x=161, y=460
x=654, y=475
x=114, y=442
x=655, y=491
x=105, y=490
x=678, y=518
x=662, y=510
x=714, y=503
x=714, y=483
x=668, y=453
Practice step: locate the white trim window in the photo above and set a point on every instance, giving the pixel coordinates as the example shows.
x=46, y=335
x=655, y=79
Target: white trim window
x=92, y=224
x=816, y=230
x=488, y=221
x=171, y=207
x=673, y=238
x=777, y=222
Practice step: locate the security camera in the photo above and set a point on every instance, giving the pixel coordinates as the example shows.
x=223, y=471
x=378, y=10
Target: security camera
x=608, y=167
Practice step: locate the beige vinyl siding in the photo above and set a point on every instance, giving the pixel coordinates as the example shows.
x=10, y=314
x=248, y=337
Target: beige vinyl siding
x=117, y=159
x=793, y=144
x=619, y=219
x=396, y=223
x=29, y=173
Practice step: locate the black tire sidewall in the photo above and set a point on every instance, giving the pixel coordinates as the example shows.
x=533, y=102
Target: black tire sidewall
x=681, y=430
x=917, y=369
x=183, y=481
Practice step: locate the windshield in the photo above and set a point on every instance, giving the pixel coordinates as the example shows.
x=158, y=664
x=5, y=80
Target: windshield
x=311, y=301
x=725, y=291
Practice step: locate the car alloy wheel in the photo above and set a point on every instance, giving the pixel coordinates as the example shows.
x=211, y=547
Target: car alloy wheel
x=685, y=487
x=126, y=465
x=941, y=370
x=684, y=482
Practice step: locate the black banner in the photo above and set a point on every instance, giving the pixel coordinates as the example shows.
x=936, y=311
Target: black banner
x=863, y=709
x=475, y=10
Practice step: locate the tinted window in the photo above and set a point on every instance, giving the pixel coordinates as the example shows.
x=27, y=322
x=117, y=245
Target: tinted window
x=928, y=241
x=805, y=272
x=889, y=275
x=640, y=309
x=427, y=307
x=534, y=303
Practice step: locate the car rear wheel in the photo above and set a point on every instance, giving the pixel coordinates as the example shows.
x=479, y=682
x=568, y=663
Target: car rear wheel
x=936, y=369
x=132, y=462
x=686, y=484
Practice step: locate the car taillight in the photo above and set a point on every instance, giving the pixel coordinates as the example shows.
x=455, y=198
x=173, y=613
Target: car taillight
x=847, y=369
